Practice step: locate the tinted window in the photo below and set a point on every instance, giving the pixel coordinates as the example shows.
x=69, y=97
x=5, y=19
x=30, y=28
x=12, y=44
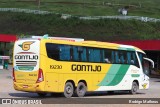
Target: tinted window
x=53, y=51
x=107, y=56
x=65, y=52
x=123, y=57
x=87, y=54
x=94, y=55
x=132, y=58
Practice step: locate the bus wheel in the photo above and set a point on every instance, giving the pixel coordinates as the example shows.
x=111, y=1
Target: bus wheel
x=134, y=88
x=81, y=89
x=68, y=90
x=42, y=94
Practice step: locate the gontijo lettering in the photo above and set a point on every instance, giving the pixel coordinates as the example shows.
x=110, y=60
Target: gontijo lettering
x=25, y=57
x=96, y=68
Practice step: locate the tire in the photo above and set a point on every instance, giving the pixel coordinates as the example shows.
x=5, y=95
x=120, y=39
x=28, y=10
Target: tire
x=68, y=90
x=134, y=88
x=42, y=94
x=81, y=89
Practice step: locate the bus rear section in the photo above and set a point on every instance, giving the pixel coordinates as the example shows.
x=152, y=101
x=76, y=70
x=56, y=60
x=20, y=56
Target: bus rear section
x=27, y=75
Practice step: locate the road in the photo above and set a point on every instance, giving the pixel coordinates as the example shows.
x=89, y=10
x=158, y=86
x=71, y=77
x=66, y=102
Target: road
x=7, y=90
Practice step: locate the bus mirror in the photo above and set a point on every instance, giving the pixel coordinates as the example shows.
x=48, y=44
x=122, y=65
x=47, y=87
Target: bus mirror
x=150, y=60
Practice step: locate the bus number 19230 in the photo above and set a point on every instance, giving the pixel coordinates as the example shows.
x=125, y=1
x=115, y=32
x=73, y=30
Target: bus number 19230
x=55, y=66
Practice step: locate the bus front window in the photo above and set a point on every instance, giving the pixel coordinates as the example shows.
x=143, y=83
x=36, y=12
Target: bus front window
x=148, y=64
x=146, y=68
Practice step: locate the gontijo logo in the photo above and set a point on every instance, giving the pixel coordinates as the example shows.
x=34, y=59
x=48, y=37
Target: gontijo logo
x=26, y=45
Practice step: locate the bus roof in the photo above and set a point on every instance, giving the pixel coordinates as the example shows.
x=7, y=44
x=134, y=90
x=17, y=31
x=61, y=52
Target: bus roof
x=91, y=44
x=97, y=44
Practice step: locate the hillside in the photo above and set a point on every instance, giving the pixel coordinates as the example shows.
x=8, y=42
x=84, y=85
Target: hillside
x=148, y=8
x=103, y=29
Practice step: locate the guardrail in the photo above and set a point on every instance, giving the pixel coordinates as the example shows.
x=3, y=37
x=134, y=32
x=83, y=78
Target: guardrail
x=141, y=18
x=65, y=16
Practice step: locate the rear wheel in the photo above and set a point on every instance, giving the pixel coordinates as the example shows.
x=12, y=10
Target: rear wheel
x=68, y=90
x=81, y=89
x=134, y=88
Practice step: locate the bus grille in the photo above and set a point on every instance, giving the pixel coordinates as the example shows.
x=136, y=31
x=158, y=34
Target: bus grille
x=26, y=63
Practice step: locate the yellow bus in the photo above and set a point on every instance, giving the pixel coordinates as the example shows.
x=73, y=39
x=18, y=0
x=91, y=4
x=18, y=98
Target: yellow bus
x=59, y=66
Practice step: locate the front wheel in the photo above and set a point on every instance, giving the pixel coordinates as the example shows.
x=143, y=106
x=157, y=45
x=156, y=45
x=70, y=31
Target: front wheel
x=68, y=90
x=81, y=89
x=134, y=88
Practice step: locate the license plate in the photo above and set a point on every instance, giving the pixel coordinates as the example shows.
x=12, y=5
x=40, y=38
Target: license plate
x=25, y=86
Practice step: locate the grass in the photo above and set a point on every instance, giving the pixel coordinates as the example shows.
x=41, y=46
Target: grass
x=102, y=30
x=149, y=8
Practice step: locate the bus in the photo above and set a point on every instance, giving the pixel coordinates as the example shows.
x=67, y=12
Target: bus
x=73, y=68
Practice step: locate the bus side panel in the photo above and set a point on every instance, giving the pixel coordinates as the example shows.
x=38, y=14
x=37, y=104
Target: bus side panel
x=119, y=77
x=95, y=80
x=52, y=82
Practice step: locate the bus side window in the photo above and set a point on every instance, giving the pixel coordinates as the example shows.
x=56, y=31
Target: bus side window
x=113, y=57
x=140, y=57
x=107, y=56
x=65, y=52
x=97, y=55
x=71, y=53
x=128, y=57
x=117, y=59
x=53, y=51
x=75, y=53
x=91, y=55
x=102, y=55
x=122, y=57
x=135, y=59
x=80, y=51
x=132, y=59
x=94, y=55
x=83, y=55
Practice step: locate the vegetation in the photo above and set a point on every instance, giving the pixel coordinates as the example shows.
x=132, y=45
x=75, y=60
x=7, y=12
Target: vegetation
x=148, y=8
x=102, y=30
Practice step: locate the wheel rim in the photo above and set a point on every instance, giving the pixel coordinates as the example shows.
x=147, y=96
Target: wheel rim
x=68, y=89
x=81, y=90
x=134, y=88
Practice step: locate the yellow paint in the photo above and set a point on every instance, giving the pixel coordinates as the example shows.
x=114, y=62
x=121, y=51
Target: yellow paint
x=55, y=79
x=26, y=45
x=144, y=85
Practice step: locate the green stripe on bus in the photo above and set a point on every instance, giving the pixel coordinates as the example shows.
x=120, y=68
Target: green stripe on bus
x=135, y=75
x=119, y=76
x=110, y=75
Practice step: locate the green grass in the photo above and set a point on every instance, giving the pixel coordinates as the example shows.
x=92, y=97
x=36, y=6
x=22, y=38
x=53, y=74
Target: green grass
x=149, y=8
x=102, y=30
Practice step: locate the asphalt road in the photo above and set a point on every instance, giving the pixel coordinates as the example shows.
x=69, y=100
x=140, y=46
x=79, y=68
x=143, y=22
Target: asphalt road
x=7, y=90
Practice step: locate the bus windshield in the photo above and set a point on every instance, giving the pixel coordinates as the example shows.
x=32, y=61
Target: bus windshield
x=148, y=64
x=146, y=68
